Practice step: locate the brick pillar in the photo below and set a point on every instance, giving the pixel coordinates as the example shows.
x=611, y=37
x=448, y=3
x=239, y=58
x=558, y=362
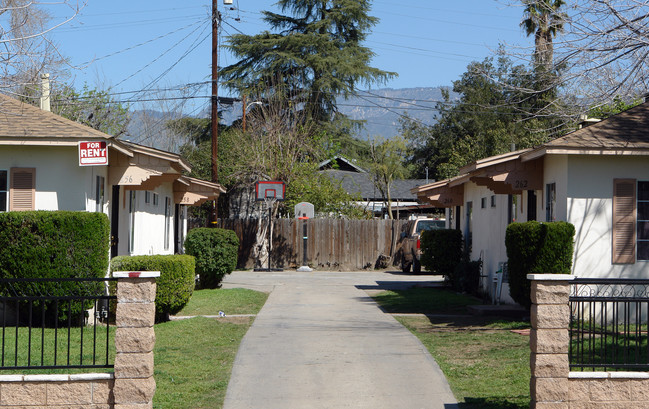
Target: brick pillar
x=549, y=340
x=134, y=339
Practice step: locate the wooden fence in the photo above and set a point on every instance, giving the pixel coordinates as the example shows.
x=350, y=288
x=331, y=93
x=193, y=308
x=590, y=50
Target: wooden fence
x=333, y=243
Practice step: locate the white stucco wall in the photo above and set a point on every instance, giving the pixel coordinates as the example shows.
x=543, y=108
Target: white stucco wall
x=555, y=170
x=489, y=225
x=61, y=184
x=149, y=223
x=590, y=210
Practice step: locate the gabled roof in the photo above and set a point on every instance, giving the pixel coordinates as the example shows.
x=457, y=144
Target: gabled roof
x=19, y=120
x=626, y=133
x=343, y=164
x=361, y=183
x=24, y=124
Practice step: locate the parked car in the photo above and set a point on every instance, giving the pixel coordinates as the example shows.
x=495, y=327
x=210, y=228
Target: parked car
x=410, y=242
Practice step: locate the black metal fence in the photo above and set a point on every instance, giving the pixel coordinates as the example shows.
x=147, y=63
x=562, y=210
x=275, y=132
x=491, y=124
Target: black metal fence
x=56, y=323
x=609, y=325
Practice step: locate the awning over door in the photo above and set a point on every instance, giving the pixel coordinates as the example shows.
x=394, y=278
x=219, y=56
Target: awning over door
x=141, y=171
x=194, y=192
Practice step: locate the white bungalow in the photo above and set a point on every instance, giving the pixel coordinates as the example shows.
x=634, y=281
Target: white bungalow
x=50, y=163
x=596, y=178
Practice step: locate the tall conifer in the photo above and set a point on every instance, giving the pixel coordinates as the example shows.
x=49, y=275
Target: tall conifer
x=313, y=54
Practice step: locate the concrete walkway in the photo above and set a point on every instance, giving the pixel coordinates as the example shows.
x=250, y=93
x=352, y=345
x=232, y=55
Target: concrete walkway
x=321, y=342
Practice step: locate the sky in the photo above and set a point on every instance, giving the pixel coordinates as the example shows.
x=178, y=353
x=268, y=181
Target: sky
x=129, y=46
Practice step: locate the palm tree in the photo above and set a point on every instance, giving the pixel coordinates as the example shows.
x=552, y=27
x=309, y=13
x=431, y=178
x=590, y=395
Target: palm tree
x=543, y=19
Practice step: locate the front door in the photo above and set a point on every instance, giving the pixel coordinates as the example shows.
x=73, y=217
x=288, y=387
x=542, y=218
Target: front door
x=114, y=222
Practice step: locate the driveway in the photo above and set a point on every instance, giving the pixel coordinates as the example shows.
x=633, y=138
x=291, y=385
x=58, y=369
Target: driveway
x=321, y=342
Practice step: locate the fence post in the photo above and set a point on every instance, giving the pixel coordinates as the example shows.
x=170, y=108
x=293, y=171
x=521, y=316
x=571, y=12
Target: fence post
x=549, y=340
x=134, y=339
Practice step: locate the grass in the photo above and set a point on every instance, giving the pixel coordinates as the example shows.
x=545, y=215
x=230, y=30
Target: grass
x=230, y=301
x=49, y=347
x=487, y=365
x=194, y=357
x=193, y=361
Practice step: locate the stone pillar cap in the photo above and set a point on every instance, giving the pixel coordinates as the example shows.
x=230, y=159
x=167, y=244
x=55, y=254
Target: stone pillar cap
x=550, y=277
x=136, y=274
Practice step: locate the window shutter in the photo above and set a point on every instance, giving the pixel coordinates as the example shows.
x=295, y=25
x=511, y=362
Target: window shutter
x=624, y=219
x=21, y=195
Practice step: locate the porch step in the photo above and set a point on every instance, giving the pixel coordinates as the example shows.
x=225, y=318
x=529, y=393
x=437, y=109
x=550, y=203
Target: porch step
x=503, y=310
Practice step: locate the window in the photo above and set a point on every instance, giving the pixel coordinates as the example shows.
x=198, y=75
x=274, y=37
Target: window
x=4, y=191
x=147, y=197
x=550, y=202
x=483, y=203
x=624, y=221
x=168, y=214
x=155, y=199
x=99, y=195
x=493, y=200
x=643, y=221
x=22, y=188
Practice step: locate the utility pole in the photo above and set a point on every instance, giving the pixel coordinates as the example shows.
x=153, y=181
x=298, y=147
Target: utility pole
x=243, y=98
x=215, y=102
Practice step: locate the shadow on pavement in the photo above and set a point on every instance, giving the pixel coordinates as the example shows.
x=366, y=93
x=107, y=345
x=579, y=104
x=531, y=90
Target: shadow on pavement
x=399, y=285
x=492, y=403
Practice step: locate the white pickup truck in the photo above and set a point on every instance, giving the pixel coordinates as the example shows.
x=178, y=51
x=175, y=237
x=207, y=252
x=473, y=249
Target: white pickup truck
x=411, y=245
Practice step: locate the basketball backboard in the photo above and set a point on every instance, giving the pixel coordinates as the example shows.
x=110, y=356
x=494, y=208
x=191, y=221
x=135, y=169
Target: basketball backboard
x=270, y=189
x=304, y=210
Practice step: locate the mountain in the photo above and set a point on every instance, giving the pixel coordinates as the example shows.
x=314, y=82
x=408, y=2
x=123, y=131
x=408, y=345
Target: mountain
x=380, y=109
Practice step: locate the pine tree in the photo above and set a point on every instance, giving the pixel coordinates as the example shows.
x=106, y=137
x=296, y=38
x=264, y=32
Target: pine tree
x=313, y=55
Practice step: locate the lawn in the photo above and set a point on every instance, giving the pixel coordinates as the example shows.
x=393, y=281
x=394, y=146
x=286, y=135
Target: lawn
x=230, y=301
x=193, y=361
x=57, y=347
x=486, y=364
x=194, y=357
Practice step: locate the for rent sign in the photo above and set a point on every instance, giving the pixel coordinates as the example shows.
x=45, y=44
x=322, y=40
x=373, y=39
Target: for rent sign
x=93, y=153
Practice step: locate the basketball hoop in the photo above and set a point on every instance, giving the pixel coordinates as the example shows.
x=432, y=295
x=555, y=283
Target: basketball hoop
x=269, y=192
x=270, y=189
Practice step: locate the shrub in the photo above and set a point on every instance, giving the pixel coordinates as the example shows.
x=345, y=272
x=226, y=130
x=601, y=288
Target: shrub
x=54, y=244
x=536, y=248
x=441, y=251
x=215, y=251
x=466, y=277
x=175, y=285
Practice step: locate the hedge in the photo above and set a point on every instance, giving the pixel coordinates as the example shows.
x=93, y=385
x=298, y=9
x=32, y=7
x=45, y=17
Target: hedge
x=175, y=286
x=54, y=244
x=441, y=251
x=536, y=248
x=215, y=251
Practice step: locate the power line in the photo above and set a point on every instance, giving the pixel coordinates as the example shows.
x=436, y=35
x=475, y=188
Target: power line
x=143, y=43
x=158, y=57
x=187, y=52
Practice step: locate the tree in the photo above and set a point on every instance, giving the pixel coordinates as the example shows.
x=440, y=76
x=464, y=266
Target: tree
x=387, y=164
x=615, y=107
x=490, y=118
x=27, y=50
x=607, y=49
x=91, y=107
x=314, y=56
x=543, y=19
x=601, y=54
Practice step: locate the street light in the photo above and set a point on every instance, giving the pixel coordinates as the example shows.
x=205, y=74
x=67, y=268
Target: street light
x=245, y=108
